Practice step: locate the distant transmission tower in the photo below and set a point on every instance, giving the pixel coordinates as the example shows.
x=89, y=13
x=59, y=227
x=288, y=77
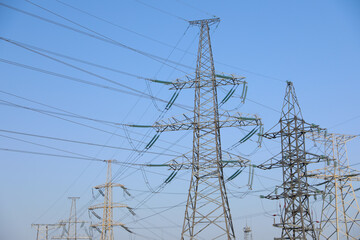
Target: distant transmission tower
x=296, y=221
x=71, y=231
x=107, y=223
x=247, y=233
x=340, y=217
x=207, y=210
x=42, y=230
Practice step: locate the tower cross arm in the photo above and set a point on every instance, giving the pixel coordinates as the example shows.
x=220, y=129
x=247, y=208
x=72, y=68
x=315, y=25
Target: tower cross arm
x=297, y=186
x=277, y=161
x=310, y=129
x=109, y=185
x=114, y=205
x=225, y=120
x=112, y=224
x=221, y=79
x=68, y=238
x=185, y=161
x=208, y=21
x=48, y=225
x=354, y=175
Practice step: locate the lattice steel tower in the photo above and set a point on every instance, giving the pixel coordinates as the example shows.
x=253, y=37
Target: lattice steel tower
x=207, y=205
x=207, y=213
x=340, y=217
x=296, y=221
x=247, y=233
x=71, y=231
x=107, y=223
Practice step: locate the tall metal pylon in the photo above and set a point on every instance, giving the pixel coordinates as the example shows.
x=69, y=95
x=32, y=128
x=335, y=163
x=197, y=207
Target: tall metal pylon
x=207, y=213
x=340, y=217
x=107, y=223
x=296, y=221
x=247, y=233
x=71, y=231
x=207, y=205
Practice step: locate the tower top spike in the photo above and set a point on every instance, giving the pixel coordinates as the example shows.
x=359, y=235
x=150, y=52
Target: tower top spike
x=291, y=108
x=208, y=21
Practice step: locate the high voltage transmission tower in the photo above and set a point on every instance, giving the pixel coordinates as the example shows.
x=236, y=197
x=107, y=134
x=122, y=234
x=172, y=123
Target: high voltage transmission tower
x=42, y=230
x=340, y=217
x=296, y=221
x=107, y=223
x=71, y=231
x=207, y=213
x=247, y=233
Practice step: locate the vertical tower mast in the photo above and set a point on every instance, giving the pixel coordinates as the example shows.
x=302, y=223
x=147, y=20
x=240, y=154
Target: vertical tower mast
x=340, y=217
x=73, y=216
x=107, y=223
x=296, y=221
x=107, y=220
x=247, y=233
x=71, y=231
x=207, y=212
x=207, y=204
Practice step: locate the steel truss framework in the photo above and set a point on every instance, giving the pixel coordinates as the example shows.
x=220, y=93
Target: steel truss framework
x=247, y=233
x=71, y=231
x=296, y=221
x=107, y=223
x=207, y=210
x=340, y=217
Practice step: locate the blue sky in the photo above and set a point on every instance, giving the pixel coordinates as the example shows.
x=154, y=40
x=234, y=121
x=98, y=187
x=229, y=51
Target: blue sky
x=315, y=44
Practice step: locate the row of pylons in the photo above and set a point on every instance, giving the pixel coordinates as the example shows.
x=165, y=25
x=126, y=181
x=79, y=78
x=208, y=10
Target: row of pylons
x=208, y=210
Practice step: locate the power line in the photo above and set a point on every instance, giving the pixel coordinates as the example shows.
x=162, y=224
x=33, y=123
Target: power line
x=161, y=10
x=80, y=142
x=263, y=105
x=346, y=121
x=156, y=58
x=168, y=45
x=51, y=155
x=84, y=61
x=252, y=72
x=197, y=9
x=141, y=94
x=104, y=39
x=121, y=27
x=98, y=129
x=79, y=116
x=61, y=114
x=45, y=146
x=77, y=68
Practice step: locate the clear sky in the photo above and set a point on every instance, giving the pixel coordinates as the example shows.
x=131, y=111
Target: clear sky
x=315, y=44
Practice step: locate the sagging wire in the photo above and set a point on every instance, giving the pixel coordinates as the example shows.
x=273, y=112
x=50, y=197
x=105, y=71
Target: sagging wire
x=98, y=35
x=172, y=51
x=129, y=139
x=157, y=135
x=146, y=179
